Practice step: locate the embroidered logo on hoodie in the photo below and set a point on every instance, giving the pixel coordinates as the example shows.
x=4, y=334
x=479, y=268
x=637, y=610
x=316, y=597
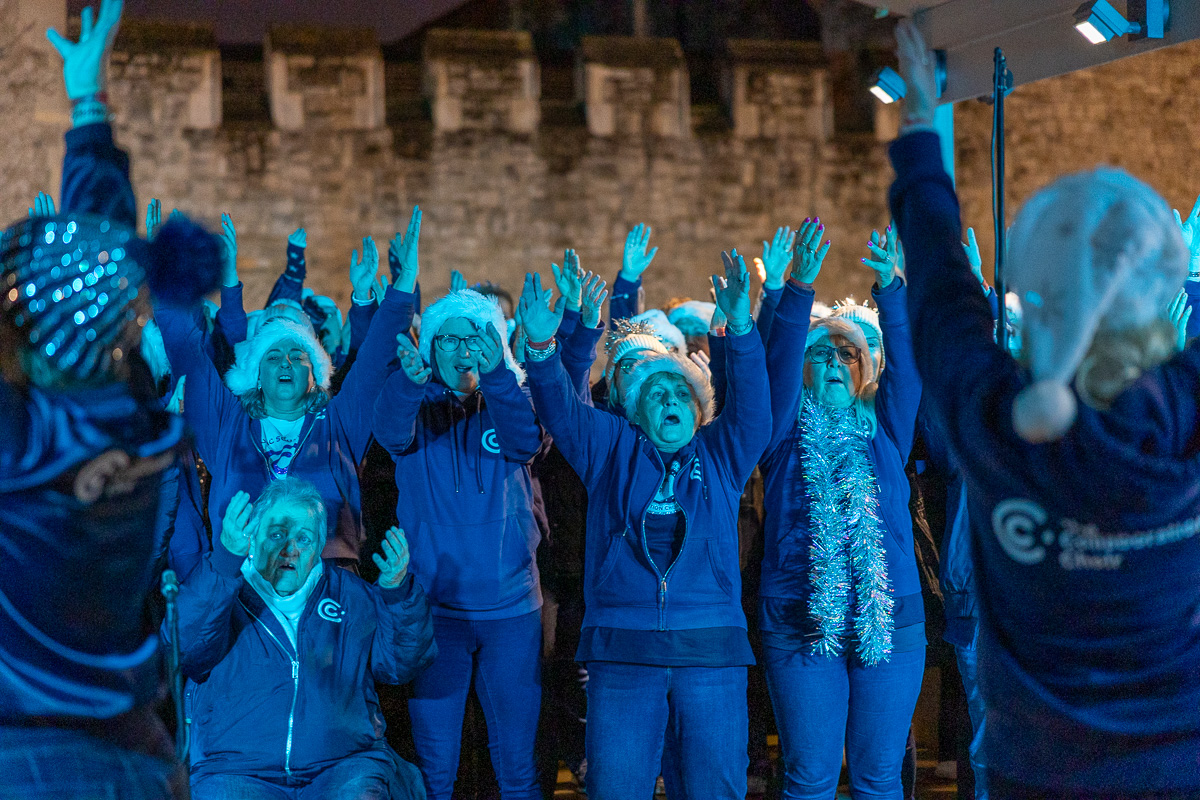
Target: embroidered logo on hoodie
x=490, y=443
x=329, y=610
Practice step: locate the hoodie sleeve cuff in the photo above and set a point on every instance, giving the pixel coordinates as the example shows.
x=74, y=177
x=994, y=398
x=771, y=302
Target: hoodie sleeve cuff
x=795, y=306
x=224, y=562
x=501, y=379
x=398, y=595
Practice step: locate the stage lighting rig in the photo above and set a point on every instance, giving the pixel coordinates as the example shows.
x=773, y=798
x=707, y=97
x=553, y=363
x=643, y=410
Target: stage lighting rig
x=1098, y=22
x=889, y=87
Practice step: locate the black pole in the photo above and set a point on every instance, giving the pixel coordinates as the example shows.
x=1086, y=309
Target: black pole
x=170, y=590
x=999, y=89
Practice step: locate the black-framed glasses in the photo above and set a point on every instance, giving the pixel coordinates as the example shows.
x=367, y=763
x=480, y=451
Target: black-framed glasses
x=449, y=343
x=847, y=354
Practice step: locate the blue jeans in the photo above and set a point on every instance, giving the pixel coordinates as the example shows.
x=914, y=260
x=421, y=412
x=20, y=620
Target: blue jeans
x=823, y=703
x=633, y=708
x=65, y=764
x=504, y=656
x=969, y=669
x=366, y=776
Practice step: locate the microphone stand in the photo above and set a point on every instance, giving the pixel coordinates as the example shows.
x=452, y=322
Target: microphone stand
x=170, y=590
x=1001, y=85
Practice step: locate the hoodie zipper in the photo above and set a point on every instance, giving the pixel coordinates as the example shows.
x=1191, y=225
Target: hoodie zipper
x=687, y=525
x=295, y=660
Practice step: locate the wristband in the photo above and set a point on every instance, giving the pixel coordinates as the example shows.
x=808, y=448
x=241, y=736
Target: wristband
x=534, y=353
x=733, y=330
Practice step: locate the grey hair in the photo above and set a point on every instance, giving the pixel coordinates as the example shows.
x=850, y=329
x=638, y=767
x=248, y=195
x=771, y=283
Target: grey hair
x=674, y=364
x=291, y=490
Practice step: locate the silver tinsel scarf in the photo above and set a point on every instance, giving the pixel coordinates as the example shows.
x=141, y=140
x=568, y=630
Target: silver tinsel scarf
x=846, y=554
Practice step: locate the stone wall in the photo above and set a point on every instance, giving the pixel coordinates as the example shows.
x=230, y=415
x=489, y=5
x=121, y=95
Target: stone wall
x=347, y=144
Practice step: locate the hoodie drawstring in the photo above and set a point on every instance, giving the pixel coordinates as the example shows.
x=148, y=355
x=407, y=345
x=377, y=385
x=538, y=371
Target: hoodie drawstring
x=453, y=440
x=479, y=449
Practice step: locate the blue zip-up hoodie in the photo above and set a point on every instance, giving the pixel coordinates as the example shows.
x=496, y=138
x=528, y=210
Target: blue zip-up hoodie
x=1087, y=558
x=786, y=559
x=622, y=470
x=259, y=706
x=466, y=496
x=333, y=440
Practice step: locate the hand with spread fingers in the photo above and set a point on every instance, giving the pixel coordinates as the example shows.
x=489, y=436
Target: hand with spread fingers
x=595, y=292
x=569, y=279
x=1180, y=313
x=43, y=206
x=777, y=257
x=85, y=62
x=1190, y=228
x=733, y=293
x=540, y=319
x=235, y=525
x=809, y=252
x=393, y=563
x=404, y=249
x=636, y=259
x=411, y=362
x=363, y=271
x=885, y=257
x=491, y=349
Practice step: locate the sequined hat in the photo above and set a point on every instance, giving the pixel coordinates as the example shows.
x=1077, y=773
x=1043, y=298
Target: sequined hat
x=75, y=286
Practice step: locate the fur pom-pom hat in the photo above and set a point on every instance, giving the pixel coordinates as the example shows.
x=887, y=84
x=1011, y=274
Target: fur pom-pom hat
x=675, y=364
x=469, y=304
x=1097, y=252
x=76, y=287
x=242, y=377
x=863, y=315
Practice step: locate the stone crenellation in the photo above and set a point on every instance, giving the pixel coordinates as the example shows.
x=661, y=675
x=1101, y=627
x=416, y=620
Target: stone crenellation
x=318, y=129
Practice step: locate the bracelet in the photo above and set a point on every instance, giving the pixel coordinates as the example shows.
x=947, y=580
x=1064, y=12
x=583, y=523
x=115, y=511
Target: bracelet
x=88, y=111
x=749, y=327
x=540, y=353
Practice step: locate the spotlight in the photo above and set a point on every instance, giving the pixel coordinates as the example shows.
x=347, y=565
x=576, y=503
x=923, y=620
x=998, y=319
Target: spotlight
x=1099, y=22
x=888, y=86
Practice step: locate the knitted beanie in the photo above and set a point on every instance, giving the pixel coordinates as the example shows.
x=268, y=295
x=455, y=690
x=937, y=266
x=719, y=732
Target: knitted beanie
x=627, y=337
x=1094, y=252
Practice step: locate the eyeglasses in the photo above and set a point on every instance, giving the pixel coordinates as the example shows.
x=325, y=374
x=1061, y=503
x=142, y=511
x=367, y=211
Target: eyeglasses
x=626, y=365
x=847, y=353
x=449, y=343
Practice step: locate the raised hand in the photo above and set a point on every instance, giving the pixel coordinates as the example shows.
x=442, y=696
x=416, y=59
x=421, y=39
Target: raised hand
x=971, y=246
x=777, y=256
x=1179, y=313
x=733, y=293
x=701, y=360
x=404, y=249
x=85, y=62
x=541, y=321
x=917, y=67
x=458, y=281
x=594, y=295
x=154, y=217
x=235, y=525
x=1190, y=228
x=809, y=252
x=491, y=349
x=884, y=256
x=299, y=238
x=393, y=566
x=411, y=362
x=229, y=270
x=43, y=206
x=569, y=279
x=362, y=271
x=636, y=259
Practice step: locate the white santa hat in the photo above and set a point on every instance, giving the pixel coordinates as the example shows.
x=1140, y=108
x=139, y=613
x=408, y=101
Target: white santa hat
x=820, y=310
x=692, y=317
x=242, y=377
x=677, y=365
x=1093, y=252
x=483, y=310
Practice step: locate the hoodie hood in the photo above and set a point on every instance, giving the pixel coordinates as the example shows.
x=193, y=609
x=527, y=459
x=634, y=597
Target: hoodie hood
x=242, y=377
x=472, y=305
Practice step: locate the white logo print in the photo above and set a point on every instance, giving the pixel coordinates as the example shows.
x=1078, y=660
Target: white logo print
x=490, y=443
x=329, y=610
x=1016, y=523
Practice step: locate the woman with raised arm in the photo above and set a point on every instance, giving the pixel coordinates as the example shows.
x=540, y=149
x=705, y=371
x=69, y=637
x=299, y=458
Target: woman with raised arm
x=1082, y=467
x=842, y=616
x=664, y=635
x=272, y=415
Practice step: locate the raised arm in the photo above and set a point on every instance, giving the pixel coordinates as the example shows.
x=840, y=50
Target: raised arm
x=578, y=343
x=290, y=284
x=399, y=402
x=403, y=644
x=207, y=401
x=517, y=432
x=627, y=297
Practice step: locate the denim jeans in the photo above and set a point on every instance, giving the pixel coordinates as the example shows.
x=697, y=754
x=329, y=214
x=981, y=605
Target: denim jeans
x=367, y=776
x=969, y=669
x=823, y=703
x=633, y=709
x=65, y=764
x=504, y=658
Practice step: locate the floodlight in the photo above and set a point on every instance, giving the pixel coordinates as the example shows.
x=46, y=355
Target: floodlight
x=888, y=86
x=1099, y=22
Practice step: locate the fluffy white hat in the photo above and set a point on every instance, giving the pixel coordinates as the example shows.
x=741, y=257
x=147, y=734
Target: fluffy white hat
x=675, y=364
x=242, y=377
x=280, y=309
x=469, y=304
x=693, y=317
x=863, y=315
x=625, y=337
x=1094, y=251
x=820, y=310
x=663, y=329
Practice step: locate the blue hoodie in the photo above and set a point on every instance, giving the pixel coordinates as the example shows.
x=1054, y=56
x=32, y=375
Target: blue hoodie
x=259, y=706
x=622, y=470
x=786, y=585
x=466, y=497
x=333, y=440
x=1087, y=558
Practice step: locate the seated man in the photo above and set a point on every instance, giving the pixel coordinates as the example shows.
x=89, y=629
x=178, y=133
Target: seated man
x=282, y=654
